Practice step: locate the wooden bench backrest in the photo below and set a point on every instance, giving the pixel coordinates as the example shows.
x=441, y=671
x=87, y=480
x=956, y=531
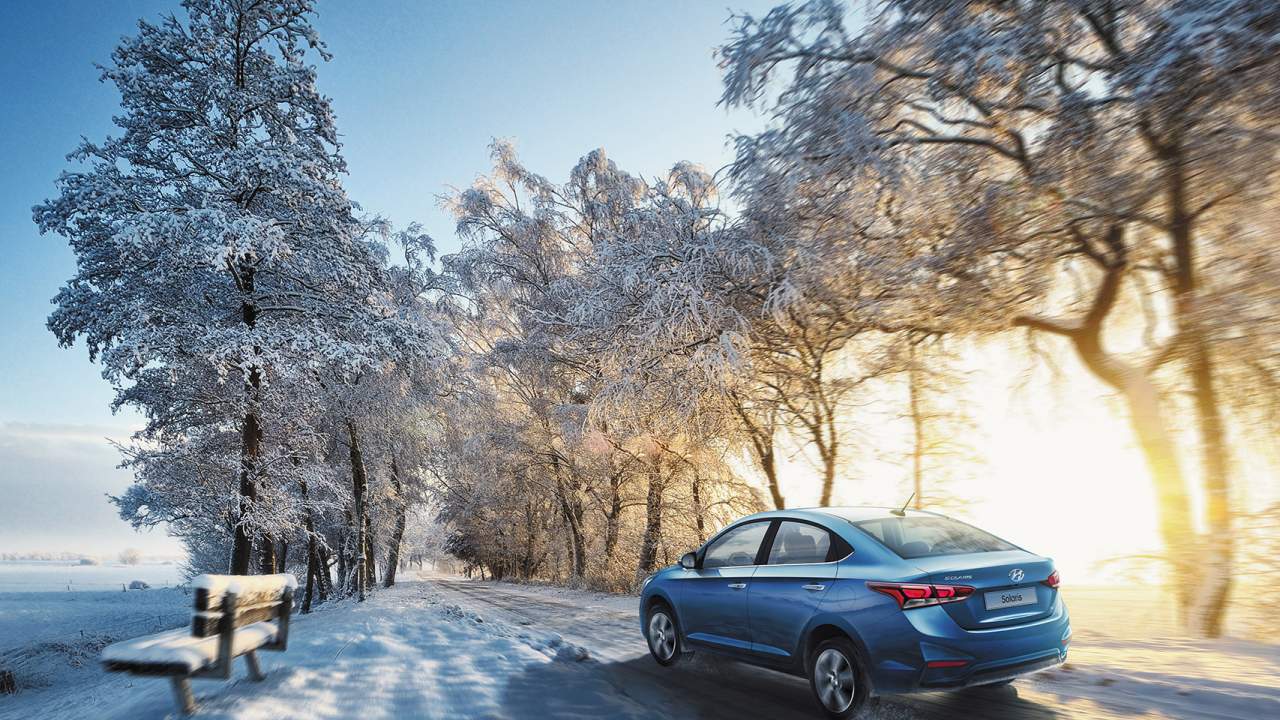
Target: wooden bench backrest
x=226, y=602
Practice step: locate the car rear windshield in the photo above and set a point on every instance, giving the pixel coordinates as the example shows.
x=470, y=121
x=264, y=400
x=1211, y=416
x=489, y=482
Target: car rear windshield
x=924, y=536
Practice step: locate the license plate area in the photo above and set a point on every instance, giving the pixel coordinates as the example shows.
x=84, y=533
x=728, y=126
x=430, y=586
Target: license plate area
x=1013, y=597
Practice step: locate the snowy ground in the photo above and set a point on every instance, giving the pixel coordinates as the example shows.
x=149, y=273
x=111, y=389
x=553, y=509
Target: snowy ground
x=447, y=648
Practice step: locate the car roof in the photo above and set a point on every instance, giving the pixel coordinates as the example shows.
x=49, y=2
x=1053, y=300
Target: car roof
x=856, y=513
x=852, y=513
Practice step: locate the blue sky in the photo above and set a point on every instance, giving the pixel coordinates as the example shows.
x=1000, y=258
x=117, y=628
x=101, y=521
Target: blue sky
x=420, y=89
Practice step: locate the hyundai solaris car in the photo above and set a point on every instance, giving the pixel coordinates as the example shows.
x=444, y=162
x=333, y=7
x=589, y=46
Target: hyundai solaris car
x=863, y=602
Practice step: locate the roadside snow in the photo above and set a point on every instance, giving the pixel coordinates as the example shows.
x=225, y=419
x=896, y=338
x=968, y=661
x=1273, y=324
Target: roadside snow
x=1167, y=677
x=403, y=654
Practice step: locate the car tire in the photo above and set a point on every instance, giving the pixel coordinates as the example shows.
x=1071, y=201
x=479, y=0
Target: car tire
x=662, y=633
x=838, y=680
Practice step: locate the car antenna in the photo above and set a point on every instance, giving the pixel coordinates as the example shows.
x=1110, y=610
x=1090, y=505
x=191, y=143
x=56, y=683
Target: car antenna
x=902, y=512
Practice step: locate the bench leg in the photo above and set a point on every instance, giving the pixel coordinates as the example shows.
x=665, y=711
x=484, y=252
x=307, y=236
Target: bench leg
x=255, y=671
x=182, y=695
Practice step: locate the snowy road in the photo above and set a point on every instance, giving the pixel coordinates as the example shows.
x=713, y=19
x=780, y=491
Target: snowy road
x=1106, y=678
x=448, y=648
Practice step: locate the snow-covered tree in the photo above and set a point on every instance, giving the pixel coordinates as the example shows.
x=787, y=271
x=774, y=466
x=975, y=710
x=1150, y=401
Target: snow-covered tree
x=999, y=149
x=546, y=478
x=219, y=261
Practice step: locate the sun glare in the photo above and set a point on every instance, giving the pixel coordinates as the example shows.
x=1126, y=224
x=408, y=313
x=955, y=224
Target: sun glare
x=1060, y=474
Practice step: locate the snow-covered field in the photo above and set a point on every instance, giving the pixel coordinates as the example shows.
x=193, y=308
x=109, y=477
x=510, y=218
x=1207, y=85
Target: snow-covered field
x=27, y=618
x=50, y=576
x=55, y=617
x=449, y=648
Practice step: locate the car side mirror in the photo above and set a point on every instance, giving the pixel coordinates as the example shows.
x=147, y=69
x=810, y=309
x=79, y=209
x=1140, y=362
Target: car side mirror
x=689, y=561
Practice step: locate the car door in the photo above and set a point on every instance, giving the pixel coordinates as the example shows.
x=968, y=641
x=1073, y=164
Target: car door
x=713, y=597
x=788, y=588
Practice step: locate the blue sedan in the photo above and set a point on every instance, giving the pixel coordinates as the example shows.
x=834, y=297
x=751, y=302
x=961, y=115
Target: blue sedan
x=863, y=602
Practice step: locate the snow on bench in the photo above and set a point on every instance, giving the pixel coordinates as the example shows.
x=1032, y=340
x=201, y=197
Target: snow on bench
x=180, y=652
x=234, y=615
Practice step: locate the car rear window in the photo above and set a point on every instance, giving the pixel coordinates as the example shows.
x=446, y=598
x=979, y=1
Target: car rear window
x=926, y=536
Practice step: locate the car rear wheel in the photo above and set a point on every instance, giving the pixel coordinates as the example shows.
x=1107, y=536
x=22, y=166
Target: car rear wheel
x=663, y=635
x=838, y=682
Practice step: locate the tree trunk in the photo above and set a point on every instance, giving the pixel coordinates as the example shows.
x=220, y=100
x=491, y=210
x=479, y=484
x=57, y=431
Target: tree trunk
x=699, y=520
x=826, y=439
x=577, y=546
x=1173, y=503
x=326, y=582
x=313, y=560
x=652, y=524
x=343, y=550
x=612, y=519
x=769, y=466
x=250, y=438
x=370, y=564
x=267, y=556
x=312, y=572
x=828, y=475
x=532, y=559
x=397, y=534
x=250, y=450
x=761, y=436
x=917, y=428
x=1217, y=555
x=359, y=481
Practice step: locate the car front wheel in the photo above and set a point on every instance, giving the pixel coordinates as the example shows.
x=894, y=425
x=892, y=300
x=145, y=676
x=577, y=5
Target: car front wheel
x=837, y=681
x=663, y=636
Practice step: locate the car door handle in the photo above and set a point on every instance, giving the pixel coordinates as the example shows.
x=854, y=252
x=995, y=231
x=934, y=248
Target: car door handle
x=814, y=587
x=737, y=586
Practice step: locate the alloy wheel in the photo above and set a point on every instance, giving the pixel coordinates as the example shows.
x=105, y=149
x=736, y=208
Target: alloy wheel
x=662, y=635
x=833, y=679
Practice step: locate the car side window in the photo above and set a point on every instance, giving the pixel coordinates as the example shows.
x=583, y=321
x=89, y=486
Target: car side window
x=736, y=547
x=797, y=542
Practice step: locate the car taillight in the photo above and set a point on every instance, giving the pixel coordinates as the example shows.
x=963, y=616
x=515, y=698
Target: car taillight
x=914, y=595
x=1053, y=580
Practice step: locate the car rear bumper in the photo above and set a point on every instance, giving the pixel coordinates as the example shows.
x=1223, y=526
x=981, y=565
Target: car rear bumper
x=928, y=651
x=994, y=672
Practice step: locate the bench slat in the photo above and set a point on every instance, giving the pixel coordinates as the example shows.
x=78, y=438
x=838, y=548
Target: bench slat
x=208, y=624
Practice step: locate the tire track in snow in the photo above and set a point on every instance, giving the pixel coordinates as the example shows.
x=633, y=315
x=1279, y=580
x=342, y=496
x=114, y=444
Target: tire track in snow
x=696, y=688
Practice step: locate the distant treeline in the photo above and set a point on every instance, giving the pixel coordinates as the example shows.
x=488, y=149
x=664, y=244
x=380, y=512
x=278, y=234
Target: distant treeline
x=65, y=556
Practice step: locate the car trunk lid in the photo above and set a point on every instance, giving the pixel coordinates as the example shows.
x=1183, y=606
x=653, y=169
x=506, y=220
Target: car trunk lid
x=1008, y=586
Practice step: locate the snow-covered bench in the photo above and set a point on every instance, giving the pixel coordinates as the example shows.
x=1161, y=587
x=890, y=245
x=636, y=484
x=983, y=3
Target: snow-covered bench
x=234, y=615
